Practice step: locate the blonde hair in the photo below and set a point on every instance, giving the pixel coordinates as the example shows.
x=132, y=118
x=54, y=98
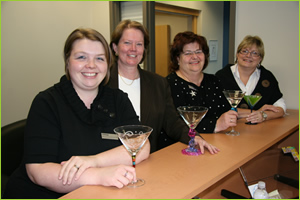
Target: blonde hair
x=249, y=41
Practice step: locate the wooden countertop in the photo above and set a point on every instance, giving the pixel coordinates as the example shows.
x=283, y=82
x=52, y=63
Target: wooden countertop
x=172, y=175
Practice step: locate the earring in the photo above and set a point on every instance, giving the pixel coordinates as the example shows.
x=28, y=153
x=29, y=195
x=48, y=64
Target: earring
x=258, y=65
x=116, y=54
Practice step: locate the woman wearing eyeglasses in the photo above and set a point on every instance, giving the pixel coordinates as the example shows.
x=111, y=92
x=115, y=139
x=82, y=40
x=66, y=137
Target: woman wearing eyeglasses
x=249, y=75
x=191, y=87
x=148, y=92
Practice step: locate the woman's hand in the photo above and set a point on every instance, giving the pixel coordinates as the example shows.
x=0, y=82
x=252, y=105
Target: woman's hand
x=74, y=167
x=226, y=120
x=273, y=112
x=118, y=176
x=203, y=144
x=255, y=117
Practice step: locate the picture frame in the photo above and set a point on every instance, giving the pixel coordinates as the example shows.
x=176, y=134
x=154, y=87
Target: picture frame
x=213, y=50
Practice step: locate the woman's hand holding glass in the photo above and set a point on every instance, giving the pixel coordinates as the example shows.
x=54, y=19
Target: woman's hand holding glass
x=226, y=120
x=118, y=175
x=255, y=117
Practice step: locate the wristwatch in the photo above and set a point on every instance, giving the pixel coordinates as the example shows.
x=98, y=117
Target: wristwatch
x=264, y=115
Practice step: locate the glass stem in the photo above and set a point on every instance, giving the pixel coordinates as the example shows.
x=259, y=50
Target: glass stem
x=192, y=134
x=133, y=156
x=234, y=109
x=192, y=143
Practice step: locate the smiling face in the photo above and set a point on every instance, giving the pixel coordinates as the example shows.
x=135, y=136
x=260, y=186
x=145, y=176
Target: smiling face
x=87, y=65
x=193, y=62
x=248, y=61
x=130, y=48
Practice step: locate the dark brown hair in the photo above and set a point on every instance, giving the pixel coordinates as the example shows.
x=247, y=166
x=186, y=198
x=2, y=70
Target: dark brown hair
x=125, y=24
x=182, y=39
x=91, y=34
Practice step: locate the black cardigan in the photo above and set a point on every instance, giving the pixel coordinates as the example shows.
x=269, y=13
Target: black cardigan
x=267, y=86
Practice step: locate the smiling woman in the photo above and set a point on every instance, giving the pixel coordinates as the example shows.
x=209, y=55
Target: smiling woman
x=93, y=37
x=248, y=75
x=87, y=67
x=66, y=144
x=191, y=87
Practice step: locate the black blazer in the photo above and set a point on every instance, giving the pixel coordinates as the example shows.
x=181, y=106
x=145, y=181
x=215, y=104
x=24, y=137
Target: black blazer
x=157, y=108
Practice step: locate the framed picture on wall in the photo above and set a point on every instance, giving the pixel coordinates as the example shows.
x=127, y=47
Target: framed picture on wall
x=213, y=50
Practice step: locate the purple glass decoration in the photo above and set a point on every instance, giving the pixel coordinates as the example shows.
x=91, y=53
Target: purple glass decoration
x=192, y=115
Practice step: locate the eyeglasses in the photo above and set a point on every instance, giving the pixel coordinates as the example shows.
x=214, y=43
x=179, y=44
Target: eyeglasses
x=190, y=53
x=252, y=53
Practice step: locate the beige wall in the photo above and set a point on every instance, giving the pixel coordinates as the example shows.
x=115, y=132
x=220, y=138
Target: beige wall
x=33, y=35
x=277, y=23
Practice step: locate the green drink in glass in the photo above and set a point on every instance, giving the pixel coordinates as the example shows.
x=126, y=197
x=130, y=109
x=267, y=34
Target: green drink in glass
x=252, y=101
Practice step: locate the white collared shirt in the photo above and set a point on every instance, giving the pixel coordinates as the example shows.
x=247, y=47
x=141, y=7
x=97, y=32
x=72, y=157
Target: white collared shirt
x=251, y=84
x=132, y=88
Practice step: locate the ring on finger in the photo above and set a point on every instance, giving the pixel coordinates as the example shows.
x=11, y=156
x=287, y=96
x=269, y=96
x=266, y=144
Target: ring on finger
x=76, y=167
x=126, y=174
x=231, y=120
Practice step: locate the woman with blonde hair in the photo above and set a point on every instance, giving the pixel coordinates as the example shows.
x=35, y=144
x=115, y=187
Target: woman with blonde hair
x=248, y=74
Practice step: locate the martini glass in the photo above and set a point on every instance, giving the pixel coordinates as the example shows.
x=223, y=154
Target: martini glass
x=133, y=137
x=192, y=115
x=252, y=101
x=234, y=97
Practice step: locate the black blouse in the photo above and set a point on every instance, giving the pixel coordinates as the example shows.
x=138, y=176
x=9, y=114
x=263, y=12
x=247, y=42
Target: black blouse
x=209, y=94
x=60, y=126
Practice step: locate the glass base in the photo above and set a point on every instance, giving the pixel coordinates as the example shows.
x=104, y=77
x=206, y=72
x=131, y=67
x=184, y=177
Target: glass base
x=249, y=123
x=191, y=152
x=139, y=182
x=233, y=133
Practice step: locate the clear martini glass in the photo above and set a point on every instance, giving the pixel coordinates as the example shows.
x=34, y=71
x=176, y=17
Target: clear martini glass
x=234, y=97
x=133, y=137
x=252, y=101
x=192, y=115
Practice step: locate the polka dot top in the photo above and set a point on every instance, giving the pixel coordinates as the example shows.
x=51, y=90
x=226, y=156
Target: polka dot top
x=208, y=94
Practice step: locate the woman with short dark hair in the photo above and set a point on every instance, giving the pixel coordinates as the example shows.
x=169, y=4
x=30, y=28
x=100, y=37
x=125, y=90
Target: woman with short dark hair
x=190, y=86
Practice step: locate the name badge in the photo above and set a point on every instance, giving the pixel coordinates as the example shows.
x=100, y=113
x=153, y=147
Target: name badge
x=109, y=136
